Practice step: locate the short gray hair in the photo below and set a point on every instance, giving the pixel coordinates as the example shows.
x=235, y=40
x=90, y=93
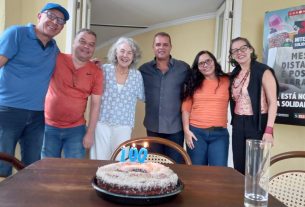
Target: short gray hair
x=112, y=58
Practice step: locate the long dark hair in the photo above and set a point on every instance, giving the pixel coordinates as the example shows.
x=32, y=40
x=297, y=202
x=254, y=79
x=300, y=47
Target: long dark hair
x=232, y=61
x=196, y=78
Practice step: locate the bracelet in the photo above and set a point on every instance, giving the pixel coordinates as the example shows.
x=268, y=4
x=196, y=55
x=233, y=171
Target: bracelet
x=269, y=130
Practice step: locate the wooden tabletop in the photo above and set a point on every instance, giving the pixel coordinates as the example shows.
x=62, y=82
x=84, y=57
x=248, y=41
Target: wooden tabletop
x=67, y=182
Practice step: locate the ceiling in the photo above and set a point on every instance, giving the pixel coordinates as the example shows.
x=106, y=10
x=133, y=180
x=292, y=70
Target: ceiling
x=111, y=19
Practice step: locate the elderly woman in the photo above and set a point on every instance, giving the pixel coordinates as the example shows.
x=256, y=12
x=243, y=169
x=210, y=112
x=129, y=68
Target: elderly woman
x=123, y=87
x=253, y=99
x=204, y=112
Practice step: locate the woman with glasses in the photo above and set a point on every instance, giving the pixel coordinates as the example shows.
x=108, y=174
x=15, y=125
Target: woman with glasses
x=253, y=99
x=204, y=112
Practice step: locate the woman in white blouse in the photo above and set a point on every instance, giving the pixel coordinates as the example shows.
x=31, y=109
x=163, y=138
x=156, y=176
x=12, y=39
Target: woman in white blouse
x=123, y=86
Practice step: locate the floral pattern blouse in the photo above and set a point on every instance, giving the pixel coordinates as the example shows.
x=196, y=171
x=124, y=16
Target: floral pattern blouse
x=118, y=107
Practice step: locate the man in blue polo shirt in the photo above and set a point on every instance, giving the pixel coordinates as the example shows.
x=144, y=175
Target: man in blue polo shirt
x=27, y=59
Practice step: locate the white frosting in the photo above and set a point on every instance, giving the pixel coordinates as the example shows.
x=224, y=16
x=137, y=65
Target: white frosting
x=142, y=176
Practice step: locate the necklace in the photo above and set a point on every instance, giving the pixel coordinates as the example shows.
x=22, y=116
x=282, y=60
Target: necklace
x=122, y=72
x=237, y=83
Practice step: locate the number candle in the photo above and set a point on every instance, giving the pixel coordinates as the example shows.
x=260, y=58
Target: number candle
x=142, y=155
x=133, y=153
x=123, y=154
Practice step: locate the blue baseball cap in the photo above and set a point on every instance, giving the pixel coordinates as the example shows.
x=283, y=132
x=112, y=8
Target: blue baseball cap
x=58, y=7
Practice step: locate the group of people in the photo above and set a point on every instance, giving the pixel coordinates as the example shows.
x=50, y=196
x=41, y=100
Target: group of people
x=251, y=89
x=44, y=94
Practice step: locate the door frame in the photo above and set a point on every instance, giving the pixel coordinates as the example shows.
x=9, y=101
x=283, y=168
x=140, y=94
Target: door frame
x=232, y=10
x=80, y=13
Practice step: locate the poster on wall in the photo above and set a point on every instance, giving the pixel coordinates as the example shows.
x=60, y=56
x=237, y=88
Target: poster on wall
x=284, y=51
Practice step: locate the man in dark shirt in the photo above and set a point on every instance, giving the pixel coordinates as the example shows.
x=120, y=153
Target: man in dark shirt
x=164, y=79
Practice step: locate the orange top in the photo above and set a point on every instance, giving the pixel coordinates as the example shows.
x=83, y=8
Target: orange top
x=209, y=106
x=69, y=90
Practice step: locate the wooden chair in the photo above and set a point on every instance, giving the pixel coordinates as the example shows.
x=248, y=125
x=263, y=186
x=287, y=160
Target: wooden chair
x=154, y=157
x=288, y=186
x=17, y=164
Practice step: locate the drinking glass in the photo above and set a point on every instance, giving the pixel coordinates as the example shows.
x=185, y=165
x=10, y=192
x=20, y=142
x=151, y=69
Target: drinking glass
x=257, y=173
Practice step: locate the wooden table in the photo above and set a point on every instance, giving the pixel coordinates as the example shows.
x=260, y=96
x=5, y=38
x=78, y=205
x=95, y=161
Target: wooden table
x=67, y=183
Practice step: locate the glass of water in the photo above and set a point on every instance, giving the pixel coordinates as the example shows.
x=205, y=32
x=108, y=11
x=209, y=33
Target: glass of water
x=257, y=173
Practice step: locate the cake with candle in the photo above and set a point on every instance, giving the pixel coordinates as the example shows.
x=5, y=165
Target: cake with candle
x=134, y=178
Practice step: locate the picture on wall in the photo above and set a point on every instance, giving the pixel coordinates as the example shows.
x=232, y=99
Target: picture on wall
x=284, y=51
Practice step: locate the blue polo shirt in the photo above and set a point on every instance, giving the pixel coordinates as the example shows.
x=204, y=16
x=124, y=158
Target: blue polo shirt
x=25, y=78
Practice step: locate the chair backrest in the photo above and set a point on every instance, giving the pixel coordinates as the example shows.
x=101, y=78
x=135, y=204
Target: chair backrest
x=155, y=157
x=17, y=164
x=288, y=186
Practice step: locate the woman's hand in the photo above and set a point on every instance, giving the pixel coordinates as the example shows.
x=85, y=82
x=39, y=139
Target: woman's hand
x=268, y=138
x=88, y=140
x=189, y=136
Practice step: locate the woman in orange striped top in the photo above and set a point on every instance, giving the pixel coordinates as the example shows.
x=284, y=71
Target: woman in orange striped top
x=204, y=112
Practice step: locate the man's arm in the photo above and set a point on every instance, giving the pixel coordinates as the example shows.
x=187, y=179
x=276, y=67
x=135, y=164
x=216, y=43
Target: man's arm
x=9, y=44
x=3, y=60
x=93, y=118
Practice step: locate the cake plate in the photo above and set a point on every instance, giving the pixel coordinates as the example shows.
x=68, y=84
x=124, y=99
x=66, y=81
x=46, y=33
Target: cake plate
x=136, y=200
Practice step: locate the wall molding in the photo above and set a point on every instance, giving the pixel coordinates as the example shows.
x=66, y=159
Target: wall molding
x=159, y=26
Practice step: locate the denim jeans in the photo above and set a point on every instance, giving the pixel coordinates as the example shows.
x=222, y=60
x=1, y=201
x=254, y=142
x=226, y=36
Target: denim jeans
x=211, y=148
x=171, y=153
x=23, y=126
x=68, y=140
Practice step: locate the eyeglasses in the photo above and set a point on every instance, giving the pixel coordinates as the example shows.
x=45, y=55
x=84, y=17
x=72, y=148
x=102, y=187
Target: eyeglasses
x=207, y=62
x=241, y=49
x=52, y=16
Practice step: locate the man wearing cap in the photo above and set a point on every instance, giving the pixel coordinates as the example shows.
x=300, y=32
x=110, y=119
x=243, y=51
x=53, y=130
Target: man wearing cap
x=27, y=60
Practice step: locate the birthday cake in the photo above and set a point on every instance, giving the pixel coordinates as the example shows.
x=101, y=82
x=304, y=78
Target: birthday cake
x=133, y=178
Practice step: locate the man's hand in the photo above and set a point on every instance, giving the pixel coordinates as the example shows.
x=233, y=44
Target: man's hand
x=97, y=62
